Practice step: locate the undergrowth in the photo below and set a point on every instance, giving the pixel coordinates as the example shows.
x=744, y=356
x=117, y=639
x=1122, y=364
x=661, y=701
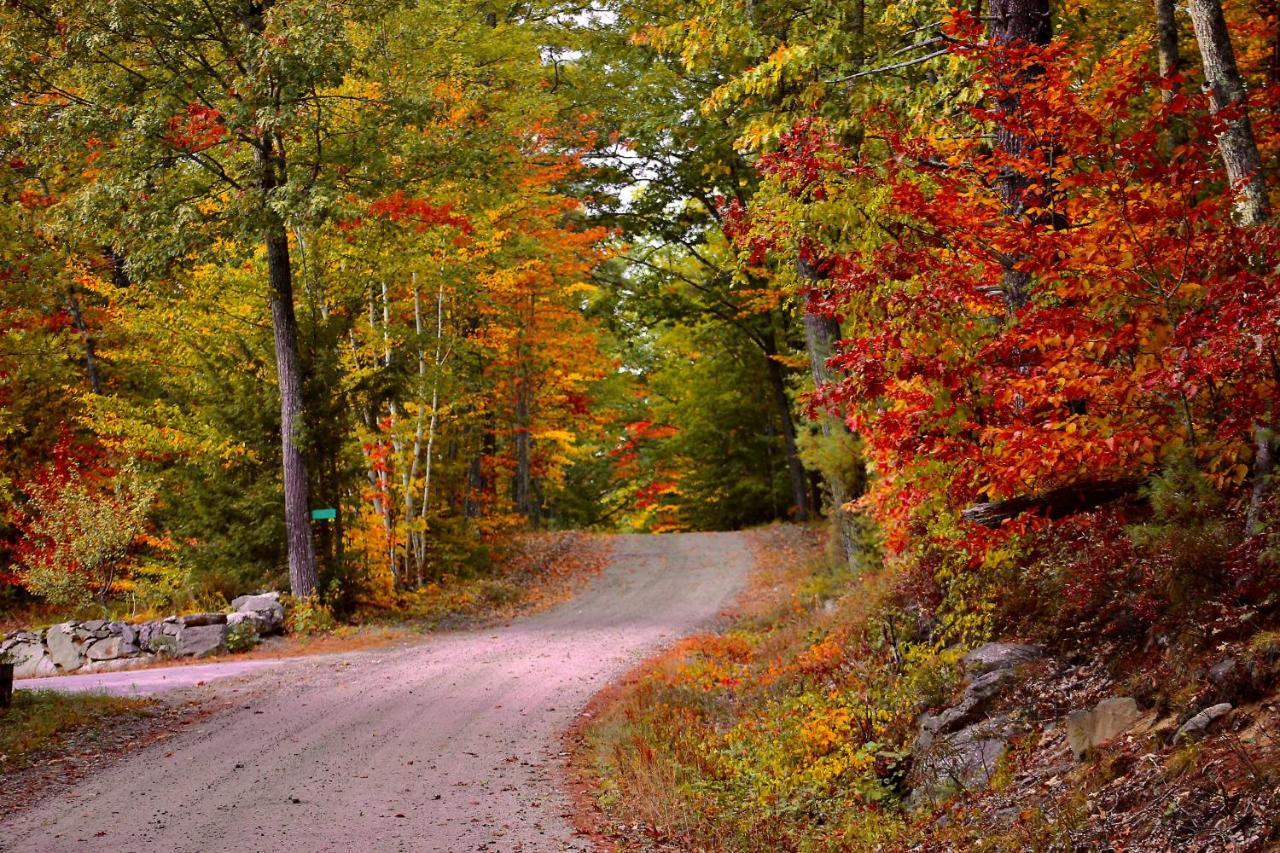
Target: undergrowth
x=788, y=731
x=38, y=720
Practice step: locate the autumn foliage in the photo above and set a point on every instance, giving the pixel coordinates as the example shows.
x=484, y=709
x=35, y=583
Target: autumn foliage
x=1149, y=340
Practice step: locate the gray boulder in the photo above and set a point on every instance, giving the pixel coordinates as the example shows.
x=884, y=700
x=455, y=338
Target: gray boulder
x=196, y=620
x=266, y=609
x=963, y=760
x=1235, y=680
x=108, y=648
x=30, y=659
x=129, y=644
x=1200, y=723
x=16, y=638
x=115, y=665
x=973, y=705
x=63, y=648
x=201, y=640
x=1109, y=719
x=993, y=656
x=161, y=643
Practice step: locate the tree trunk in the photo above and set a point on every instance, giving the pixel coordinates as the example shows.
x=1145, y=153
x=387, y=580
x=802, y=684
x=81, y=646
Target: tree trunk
x=88, y=341
x=1272, y=9
x=795, y=468
x=284, y=323
x=1167, y=44
x=1056, y=503
x=821, y=333
x=1012, y=23
x=1239, y=153
x=524, y=451
x=1227, y=91
x=1170, y=63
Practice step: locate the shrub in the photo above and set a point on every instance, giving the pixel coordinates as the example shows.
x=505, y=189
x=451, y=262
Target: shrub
x=76, y=534
x=308, y=616
x=241, y=637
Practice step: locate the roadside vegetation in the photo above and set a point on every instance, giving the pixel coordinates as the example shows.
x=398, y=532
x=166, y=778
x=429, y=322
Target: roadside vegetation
x=38, y=721
x=797, y=727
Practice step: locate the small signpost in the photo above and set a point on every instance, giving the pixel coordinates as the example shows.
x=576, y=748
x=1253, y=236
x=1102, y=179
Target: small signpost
x=324, y=514
x=6, y=684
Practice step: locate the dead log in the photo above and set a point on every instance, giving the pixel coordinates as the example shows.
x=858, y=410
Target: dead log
x=1056, y=503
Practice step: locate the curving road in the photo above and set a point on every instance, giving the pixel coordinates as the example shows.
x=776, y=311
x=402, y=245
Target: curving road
x=448, y=745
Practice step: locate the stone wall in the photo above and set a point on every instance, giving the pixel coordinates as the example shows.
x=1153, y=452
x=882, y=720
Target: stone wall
x=99, y=645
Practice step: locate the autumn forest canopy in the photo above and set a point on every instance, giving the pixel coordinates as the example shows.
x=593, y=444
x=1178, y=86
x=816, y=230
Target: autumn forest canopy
x=338, y=297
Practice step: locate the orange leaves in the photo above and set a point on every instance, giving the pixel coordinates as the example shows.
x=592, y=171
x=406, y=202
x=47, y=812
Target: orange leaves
x=33, y=200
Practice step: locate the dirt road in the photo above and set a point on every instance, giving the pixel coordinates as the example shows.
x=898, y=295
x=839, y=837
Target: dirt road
x=449, y=745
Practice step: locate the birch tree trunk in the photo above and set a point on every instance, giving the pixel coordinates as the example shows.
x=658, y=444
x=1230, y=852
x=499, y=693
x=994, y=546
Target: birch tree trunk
x=1239, y=152
x=1227, y=91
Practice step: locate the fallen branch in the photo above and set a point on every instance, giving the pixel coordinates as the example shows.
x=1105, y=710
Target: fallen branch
x=1055, y=503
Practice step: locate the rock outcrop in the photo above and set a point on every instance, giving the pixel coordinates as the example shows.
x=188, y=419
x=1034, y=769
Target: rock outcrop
x=960, y=746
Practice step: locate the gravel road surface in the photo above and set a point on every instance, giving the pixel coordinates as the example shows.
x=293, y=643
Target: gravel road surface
x=452, y=744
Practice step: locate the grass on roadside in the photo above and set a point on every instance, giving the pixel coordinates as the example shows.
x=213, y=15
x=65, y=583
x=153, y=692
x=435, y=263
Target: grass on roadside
x=782, y=732
x=38, y=720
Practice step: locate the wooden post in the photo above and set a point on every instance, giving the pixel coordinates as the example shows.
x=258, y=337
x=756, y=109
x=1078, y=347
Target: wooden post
x=6, y=684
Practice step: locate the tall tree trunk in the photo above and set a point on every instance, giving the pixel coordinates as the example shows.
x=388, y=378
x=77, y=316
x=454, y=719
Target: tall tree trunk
x=524, y=462
x=1169, y=62
x=1012, y=23
x=858, y=26
x=524, y=492
x=1239, y=152
x=1227, y=90
x=302, y=556
x=1272, y=9
x=284, y=326
x=431, y=426
x=269, y=159
x=821, y=333
x=795, y=468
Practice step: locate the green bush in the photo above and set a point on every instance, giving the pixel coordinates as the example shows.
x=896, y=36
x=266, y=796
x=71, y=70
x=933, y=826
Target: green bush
x=308, y=616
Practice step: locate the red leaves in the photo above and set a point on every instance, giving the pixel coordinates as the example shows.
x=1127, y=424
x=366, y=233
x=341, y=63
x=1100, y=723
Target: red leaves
x=1154, y=323
x=419, y=213
x=198, y=129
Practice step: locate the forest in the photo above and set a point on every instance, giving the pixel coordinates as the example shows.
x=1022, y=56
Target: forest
x=344, y=297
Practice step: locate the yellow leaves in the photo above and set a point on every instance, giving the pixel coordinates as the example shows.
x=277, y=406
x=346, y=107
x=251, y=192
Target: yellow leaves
x=562, y=437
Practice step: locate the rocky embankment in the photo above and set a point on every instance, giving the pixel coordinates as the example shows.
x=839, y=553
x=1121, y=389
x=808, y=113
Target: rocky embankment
x=1086, y=750
x=97, y=645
